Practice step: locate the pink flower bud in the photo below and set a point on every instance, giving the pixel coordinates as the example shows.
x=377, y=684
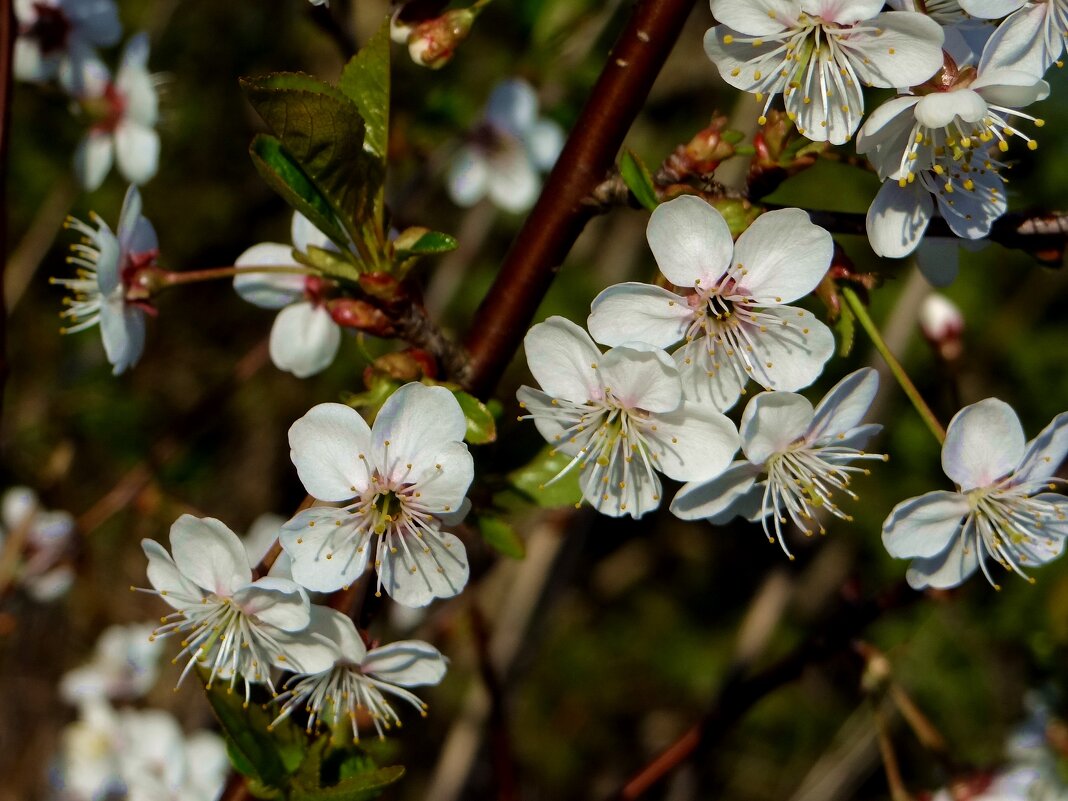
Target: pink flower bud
x=942, y=324
x=432, y=43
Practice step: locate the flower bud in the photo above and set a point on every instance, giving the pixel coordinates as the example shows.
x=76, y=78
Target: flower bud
x=942, y=325
x=433, y=43
x=360, y=315
x=704, y=153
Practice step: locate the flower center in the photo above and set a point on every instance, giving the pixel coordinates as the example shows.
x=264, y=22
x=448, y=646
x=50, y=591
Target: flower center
x=51, y=28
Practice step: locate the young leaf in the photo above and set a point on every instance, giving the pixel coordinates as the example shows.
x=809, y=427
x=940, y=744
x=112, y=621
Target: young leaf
x=362, y=787
x=846, y=326
x=638, y=179
x=285, y=177
x=500, y=535
x=533, y=480
x=429, y=244
x=365, y=80
x=328, y=262
x=481, y=427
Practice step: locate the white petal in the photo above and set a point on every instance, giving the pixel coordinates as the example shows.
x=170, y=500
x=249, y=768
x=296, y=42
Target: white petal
x=544, y=142
x=210, y=554
x=304, y=339
x=513, y=181
x=844, y=406
x=991, y=9
x=898, y=48
x=1012, y=88
x=783, y=256
x=924, y=526
x=834, y=107
x=757, y=17
x=898, y=218
x=705, y=380
x=789, y=357
x=693, y=443
x=408, y=663
x=268, y=290
x=971, y=212
x=136, y=151
x=984, y=442
x=445, y=479
x=1020, y=42
x=623, y=488
x=844, y=12
x=561, y=357
x=303, y=234
x=276, y=601
x=886, y=135
x=946, y=570
x=123, y=330
x=939, y=109
x=639, y=312
x=512, y=106
x=261, y=535
x=138, y=88
x=17, y=504
x=92, y=159
x=642, y=378
x=772, y=421
x=547, y=419
x=440, y=573
x=742, y=64
x=325, y=446
x=717, y=500
x=468, y=177
x=690, y=241
x=339, y=629
x=314, y=535
x=163, y=574
x=418, y=422
x=1046, y=452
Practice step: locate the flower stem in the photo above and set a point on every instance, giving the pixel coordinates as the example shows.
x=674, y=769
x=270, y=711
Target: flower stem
x=861, y=313
x=169, y=278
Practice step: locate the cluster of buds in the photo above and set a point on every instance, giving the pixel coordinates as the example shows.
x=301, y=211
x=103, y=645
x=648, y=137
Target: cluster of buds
x=704, y=153
x=780, y=153
x=431, y=40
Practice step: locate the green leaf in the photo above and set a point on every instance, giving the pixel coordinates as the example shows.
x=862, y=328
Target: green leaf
x=847, y=330
x=532, y=480
x=365, y=80
x=361, y=787
x=323, y=131
x=285, y=177
x=329, y=263
x=500, y=535
x=429, y=244
x=481, y=427
x=638, y=179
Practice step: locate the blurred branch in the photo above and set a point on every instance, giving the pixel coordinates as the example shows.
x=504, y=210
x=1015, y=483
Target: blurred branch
x=8, y=32
x=740, y=691
x=500, y=738
x=560, y=213
x=27, y=255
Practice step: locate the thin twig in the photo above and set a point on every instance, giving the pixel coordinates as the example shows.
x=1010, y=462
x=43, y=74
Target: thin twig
x=561, y=212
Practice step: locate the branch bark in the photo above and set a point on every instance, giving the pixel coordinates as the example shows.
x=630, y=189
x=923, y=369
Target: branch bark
x=560, y=213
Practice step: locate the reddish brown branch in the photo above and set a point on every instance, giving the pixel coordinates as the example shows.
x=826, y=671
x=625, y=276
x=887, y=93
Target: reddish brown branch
x=8, y=32
x=500, y=738
x=560, y=213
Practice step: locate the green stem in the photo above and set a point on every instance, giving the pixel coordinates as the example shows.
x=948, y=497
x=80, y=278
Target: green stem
x=168, y=278
x=861, y=313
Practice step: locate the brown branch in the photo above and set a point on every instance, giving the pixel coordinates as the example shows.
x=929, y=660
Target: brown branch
x=500, y=738
x=8, y=31
x=561, y=212
x=740, y=691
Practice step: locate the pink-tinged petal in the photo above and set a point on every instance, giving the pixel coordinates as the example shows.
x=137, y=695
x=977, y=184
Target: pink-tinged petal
x=898, y=218
x=781, y=257
x=136, y=151
x=414, y=426
x=704, y=378
x=164, y=576
x=897, y=48
x=268, y=290
x=408, y=663
x=693, y=443
x=512, y=106
x=468, y=177
x=984, y=443
x=690, y=240
x=547, y=419
x=719, y=499
x=634, y=312
x=789, y=357
x=773, y=421
x=623, y=488
x=562, y=358
x=209, y=554
x=419, y=571
x=641, y=377
x=844, y=406
x=93, y=159
x=1020, y=42
x=949, y=569
x=513, y=182
x=328, y=552
x=278, y=602
x=1045, y=453
x=757, y=17
x=925, y=526
x=304, y=339
x=844, y=12
x=326, y=445
x=445, y=478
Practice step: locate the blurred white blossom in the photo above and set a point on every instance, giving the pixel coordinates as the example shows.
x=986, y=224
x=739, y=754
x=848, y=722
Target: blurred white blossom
x=42, y=538
x=57, y=38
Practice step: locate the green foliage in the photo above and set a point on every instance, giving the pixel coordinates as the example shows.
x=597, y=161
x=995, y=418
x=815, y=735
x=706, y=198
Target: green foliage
x=638, y=179
x=846, y=328
x=429, y=244
x=499, y=534
x=534, y=482
x=365, y=81
x=481, y=426
x=329, y=262
x=362, y=787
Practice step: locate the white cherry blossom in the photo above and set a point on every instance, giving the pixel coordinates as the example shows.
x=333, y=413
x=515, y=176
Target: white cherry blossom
x=123, y=113
x=506, y=151
x=820, y=54
x=796, y=460
x=1030, y=38
x=56, y=38
x=730, y=313
x=231, y=624
x=1002, y=511
x=42, y=538
x=621, y=416
x=124, y=666
x=965, y=35
x=304, y=338
x=399, y=481
x=360, y=680
x=105, y=261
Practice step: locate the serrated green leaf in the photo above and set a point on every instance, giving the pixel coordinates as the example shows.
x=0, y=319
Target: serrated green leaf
x=429, y=244
x=365, y=80
x=328, y=262
x=638, y=179
x=481, y=427
x=361, y=787
x=321, y=128
x=533, y=480
x=282, y=173
x=847, y=329
x=499, y=535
